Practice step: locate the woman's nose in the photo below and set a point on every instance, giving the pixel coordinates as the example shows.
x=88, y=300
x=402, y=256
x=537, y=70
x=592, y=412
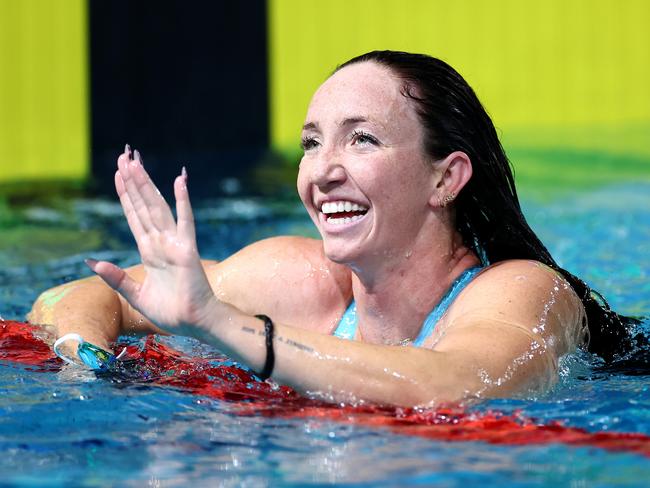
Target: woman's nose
x=328, y=171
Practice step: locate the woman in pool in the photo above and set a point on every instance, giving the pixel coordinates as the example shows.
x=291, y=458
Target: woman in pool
x=423, y=245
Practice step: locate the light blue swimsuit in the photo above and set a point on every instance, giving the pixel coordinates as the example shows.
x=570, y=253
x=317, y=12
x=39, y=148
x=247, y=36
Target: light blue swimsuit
x=348, y=325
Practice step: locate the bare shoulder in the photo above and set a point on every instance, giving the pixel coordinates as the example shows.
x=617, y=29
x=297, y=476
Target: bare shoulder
x=509, y=327
x=523, y=294
x=288, y=278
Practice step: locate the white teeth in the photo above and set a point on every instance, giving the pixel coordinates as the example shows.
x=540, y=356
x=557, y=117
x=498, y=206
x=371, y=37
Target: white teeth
x=342, y=206
x=343, y=220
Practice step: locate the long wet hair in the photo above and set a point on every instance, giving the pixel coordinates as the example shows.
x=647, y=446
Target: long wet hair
x=488, y=214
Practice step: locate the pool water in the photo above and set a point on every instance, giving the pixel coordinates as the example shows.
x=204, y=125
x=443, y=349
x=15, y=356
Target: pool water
x=66, y=426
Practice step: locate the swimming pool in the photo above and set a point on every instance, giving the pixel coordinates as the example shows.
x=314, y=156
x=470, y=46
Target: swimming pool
x=66, y=426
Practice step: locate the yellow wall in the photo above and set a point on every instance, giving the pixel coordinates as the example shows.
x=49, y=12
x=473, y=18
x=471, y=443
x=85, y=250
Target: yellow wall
x=569, y=73
x=550, y=72
x=43, y=90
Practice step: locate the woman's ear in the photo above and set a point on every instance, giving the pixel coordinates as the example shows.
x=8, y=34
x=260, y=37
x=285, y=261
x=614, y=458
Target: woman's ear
x=453, y=172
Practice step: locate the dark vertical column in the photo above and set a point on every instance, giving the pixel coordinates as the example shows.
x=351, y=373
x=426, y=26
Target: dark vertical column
x=183, y=81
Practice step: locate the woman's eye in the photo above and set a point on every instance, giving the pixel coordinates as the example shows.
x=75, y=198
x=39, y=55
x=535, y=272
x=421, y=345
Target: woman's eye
x=307, y=143
x=360, y=137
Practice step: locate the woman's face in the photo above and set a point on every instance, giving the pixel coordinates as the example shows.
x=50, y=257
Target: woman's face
x=364, y=177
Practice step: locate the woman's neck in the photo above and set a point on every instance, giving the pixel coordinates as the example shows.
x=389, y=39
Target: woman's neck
x=393, y=301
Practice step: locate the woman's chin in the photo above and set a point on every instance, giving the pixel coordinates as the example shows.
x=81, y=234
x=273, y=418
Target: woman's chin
x=338, y=258
x=339, y=254
x=345, y=243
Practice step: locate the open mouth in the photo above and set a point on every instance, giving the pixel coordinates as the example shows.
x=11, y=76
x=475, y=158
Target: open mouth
x=343, y=212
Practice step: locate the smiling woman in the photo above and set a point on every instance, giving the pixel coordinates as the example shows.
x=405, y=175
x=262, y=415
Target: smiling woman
x=426, y=261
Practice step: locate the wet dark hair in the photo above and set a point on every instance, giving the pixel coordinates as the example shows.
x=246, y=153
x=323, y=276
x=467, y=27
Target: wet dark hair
x=488, y=214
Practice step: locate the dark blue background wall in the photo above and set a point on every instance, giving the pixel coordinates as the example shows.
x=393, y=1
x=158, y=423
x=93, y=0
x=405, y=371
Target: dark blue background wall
x=185, y=82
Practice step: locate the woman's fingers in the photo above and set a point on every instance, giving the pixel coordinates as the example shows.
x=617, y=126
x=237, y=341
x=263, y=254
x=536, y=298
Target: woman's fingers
x=136, y=221
x=127, y=170
x=129, y=212
x=123, y=161
x=116, y=278
x=184, y=208
x=159, y=211
x=145, y=208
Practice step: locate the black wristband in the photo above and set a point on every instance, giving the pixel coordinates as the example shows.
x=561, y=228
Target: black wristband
x=270, y=353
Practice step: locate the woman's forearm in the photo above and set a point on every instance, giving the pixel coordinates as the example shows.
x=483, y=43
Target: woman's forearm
x=87, y=307
x=495, y=362
x=331, y=368
x=92, y=309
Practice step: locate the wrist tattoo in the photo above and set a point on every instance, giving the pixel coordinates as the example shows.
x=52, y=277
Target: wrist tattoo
x=302, y=347
x=277, y=338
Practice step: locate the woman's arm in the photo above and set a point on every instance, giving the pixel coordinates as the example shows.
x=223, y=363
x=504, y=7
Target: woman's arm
x=268, y=276
x=90, y=308
x=87, y=307
x=175, y=293
x=504, y=337
x=495, y=361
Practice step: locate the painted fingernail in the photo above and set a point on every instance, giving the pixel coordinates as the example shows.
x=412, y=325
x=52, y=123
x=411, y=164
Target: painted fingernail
x=184, y=174
x=136, y=153
x=127, y=149
x=91, y=263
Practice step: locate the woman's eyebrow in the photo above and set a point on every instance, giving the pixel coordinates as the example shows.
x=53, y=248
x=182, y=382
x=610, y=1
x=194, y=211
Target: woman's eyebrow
x=343, y=123
x=310, y=126
x=353, y=120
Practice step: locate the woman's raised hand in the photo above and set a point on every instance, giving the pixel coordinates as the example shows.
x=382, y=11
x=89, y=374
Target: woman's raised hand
x=175, y=291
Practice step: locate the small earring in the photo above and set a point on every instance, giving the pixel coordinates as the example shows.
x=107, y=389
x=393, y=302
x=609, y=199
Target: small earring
x=447, y=199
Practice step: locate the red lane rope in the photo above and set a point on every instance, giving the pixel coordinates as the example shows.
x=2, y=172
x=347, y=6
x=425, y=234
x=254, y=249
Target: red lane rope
x=216, y=378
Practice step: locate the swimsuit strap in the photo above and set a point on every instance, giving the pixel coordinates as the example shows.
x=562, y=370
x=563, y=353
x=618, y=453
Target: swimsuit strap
x=436, y=314
x=348, y=325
